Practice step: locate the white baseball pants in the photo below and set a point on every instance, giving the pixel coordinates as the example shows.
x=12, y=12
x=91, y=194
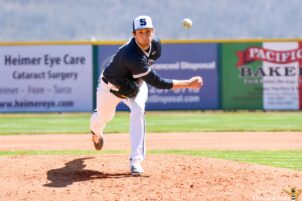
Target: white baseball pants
x=105, y=110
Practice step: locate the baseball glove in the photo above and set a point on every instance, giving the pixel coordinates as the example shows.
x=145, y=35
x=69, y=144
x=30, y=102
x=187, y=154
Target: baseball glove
x=126, y=89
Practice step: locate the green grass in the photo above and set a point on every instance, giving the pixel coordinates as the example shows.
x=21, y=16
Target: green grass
x=283, y=159
x=180, y=121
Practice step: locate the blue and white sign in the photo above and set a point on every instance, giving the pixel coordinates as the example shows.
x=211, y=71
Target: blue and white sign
x=182, y=61
x=46, y=78
x=179, y=61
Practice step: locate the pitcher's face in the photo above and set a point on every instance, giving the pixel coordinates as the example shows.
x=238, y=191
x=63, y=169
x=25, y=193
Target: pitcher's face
x=144, y=37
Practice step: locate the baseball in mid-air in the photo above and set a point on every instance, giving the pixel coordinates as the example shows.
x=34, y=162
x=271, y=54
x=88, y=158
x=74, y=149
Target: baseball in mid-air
x=187, y=23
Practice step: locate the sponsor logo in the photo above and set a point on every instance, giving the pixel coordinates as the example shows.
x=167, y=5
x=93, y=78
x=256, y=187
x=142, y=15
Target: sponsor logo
x=252, y=54
x=294, y=193
x=271, y=71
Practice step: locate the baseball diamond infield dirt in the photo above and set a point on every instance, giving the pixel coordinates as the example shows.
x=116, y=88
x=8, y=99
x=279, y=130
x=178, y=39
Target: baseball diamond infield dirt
x=167, y=177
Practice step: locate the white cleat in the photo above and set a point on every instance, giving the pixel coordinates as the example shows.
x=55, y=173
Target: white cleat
x=136, y=169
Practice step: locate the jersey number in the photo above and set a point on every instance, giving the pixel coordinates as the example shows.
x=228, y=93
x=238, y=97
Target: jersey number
x=143, y=22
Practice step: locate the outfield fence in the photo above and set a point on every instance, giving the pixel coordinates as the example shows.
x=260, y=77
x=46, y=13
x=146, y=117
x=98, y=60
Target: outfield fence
x=237, y=74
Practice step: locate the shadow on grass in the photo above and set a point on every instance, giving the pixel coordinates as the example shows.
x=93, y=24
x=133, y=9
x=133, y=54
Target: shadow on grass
x=74, y=171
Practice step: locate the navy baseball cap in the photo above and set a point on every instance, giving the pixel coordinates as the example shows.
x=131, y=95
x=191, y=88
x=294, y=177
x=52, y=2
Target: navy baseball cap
x=142, y=22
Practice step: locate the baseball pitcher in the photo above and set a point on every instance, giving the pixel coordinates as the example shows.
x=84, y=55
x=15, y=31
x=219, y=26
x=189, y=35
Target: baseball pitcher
x=125, y=79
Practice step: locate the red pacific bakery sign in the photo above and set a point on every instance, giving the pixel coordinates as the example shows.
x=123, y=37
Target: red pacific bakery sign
x=261, y=54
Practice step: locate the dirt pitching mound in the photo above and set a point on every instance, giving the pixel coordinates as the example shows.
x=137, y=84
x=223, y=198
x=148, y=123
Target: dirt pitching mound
x=167, y=177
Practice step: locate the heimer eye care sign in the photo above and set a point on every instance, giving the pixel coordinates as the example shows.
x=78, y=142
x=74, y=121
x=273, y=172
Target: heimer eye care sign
x=45, y=78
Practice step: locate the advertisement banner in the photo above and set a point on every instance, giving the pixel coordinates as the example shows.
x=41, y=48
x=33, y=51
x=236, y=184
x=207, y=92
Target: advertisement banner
x=182, y=61
x=261, y=76
x=46, y=78
x=179, y=61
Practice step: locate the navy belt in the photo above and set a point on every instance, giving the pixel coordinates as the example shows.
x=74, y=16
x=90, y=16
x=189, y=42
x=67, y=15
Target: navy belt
x=105, y=80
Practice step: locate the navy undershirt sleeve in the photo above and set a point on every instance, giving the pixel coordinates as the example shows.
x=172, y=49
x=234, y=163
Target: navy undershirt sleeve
x=155, y=80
